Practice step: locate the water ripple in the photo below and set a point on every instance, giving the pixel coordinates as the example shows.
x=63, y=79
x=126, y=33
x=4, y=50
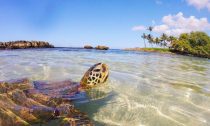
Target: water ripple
x=147, y=88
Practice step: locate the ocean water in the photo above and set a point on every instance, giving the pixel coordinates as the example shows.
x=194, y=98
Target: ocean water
x=144, y=89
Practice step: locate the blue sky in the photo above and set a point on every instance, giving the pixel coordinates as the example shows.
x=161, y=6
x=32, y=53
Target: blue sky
x=115, y=23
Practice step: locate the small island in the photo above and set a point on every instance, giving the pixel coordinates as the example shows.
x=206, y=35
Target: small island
x=191, y=44
x=23, y=44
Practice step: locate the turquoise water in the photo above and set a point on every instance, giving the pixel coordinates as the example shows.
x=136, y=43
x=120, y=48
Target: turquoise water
x=144, y=89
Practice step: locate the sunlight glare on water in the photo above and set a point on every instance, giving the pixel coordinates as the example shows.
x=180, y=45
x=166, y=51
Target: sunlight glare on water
x=147, y=89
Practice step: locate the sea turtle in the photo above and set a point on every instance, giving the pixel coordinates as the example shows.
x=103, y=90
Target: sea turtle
x=37, y=101
x=94, y=77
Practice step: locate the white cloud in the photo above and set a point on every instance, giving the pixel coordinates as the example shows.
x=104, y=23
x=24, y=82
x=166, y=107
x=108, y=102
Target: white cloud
x=139, y=28
x=199, y=4
x=177, y=24
x=161, y=28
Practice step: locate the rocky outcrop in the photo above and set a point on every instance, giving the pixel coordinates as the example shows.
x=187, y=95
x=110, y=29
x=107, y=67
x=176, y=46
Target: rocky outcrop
x=101, y=47
x=88, y=47
x=24, y=44
x=22, y=105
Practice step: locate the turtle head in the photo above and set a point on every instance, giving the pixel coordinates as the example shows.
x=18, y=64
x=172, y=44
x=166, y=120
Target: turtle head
x=96, y=75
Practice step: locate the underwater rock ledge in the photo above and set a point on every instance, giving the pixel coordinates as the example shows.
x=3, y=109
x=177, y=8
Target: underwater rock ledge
x=22, y=105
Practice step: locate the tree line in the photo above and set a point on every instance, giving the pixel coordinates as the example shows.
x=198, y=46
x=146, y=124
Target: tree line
x=163, y=41
x=194, y=43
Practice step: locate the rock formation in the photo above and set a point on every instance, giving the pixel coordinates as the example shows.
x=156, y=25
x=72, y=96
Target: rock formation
x=24, y=44
x=88, y=47
x=101, y=47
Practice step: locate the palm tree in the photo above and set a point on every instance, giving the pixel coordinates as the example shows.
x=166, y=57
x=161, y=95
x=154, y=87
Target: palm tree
x=164, y=38
x=150, y=39
x=150, y=28
x=157, y=41
x=144, y=36
x=171, y=39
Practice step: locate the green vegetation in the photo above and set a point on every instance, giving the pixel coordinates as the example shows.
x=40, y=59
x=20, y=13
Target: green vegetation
x=155, y=49
x=160, y=50
x=194, y=43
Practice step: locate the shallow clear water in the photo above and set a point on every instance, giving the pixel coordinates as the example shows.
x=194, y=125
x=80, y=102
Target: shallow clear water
x=143, y=88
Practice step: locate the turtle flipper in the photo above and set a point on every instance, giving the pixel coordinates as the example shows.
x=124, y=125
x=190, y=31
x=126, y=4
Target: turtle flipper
x=62, y=89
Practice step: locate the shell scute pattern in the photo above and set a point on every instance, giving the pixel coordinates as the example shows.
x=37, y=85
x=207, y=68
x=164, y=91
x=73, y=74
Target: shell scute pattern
x=95, y=75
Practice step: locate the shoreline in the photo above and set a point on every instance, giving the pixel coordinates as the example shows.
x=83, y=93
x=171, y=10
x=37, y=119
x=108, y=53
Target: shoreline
x=137, y=49
x=163, y=51
x=157, y=50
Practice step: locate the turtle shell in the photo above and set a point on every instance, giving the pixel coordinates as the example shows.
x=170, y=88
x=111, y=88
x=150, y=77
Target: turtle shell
x=97, y=74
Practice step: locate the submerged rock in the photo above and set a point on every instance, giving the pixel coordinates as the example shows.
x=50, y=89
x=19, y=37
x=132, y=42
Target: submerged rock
x=22, y=105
